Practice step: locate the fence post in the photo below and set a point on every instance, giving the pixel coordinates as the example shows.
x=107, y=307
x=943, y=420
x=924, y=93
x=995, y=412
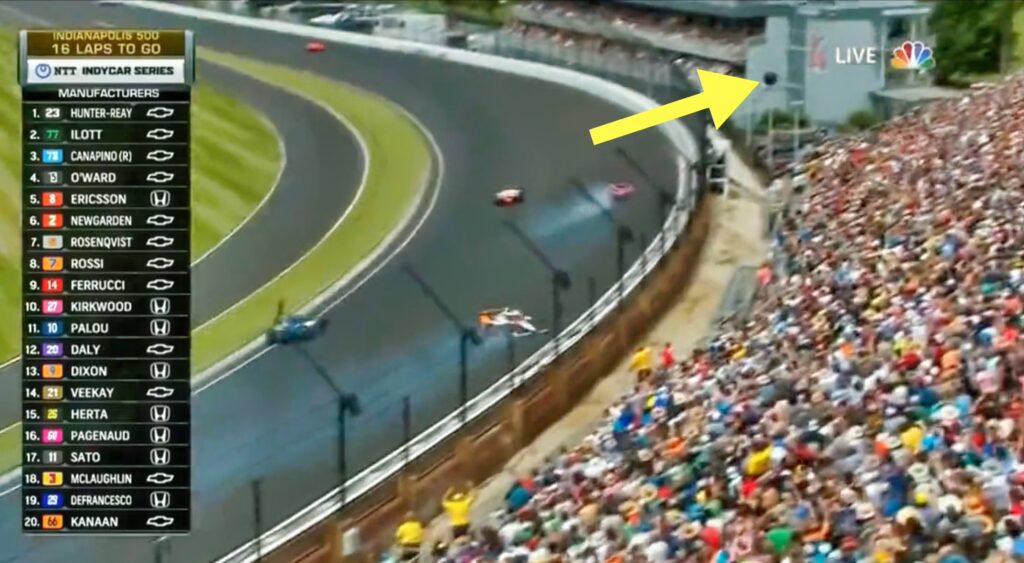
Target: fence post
x=257, y=509
x=406, y=427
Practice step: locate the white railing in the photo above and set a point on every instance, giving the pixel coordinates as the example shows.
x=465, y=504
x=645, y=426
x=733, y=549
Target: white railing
x=678, y=217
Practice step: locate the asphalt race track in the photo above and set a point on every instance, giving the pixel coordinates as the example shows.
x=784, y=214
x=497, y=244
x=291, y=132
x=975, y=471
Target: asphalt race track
x=321, y=175
x=275, y=420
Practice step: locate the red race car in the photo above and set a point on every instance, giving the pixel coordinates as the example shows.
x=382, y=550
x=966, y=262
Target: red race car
x=315, y=46
x=509, y=196
x=621, y=190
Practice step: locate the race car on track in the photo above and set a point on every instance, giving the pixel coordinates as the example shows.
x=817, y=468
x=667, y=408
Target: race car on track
x=509, y=196
x=621, y=190
x=295, y=328
x=315, y=46
x=515, y=320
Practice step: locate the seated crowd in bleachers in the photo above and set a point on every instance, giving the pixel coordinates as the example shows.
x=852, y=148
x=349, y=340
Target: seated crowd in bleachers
x=637, y=18
x=608, y=54
x=869, y=408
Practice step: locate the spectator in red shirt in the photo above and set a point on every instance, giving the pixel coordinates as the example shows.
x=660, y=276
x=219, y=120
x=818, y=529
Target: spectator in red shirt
x=668, y=357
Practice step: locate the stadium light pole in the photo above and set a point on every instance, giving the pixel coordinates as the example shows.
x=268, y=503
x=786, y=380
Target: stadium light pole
x=623, y=234
x=560, y=280
x=798, y=105
x=257, y=510
x=770, y=78
x=348, y=404
x=467, y=335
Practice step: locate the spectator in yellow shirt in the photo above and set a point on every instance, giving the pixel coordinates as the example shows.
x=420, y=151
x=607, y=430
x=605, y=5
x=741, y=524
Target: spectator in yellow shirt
x=457, y=504
x=641, y=363
x=409, y=537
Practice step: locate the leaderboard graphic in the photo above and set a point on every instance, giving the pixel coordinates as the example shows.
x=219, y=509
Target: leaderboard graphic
x=105, y=250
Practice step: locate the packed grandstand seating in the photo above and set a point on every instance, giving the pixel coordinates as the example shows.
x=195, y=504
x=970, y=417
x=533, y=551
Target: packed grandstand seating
x=574, y=47
x=869, y=408
x=649, y=21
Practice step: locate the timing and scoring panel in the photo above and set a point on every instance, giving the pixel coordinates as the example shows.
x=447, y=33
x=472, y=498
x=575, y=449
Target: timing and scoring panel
x=106, y=285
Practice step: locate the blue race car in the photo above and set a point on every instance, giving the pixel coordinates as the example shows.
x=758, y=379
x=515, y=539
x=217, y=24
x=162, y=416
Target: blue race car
x=295, y=328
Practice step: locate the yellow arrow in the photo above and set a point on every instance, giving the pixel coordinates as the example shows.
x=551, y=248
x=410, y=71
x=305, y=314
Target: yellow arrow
x=721, y=94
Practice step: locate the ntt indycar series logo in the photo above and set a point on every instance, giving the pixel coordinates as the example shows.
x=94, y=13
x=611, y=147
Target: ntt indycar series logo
x=93, y=71
x=44, y=71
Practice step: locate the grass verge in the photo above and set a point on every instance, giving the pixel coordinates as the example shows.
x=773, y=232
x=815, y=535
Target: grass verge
x=398, y=162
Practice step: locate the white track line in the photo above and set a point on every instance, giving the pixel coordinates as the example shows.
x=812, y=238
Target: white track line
x=358, y=270
x=359, y=193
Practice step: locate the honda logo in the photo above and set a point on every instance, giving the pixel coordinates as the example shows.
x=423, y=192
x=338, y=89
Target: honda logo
x=160, y=306
x=159, y=198
x=160, y=327
x=160, y=499
x=160, y=435
x=159, y=370
x=160, y=456
x=160, y=413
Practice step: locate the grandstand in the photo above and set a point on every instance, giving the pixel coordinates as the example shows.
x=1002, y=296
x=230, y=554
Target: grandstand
x=869, y=407
x=796, y=40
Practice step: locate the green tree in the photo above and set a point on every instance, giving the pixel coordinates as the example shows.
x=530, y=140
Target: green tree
x=972, y=37
x=861, y=119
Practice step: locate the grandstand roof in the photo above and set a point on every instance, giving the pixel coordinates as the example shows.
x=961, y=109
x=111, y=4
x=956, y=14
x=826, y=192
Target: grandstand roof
x=918, y=94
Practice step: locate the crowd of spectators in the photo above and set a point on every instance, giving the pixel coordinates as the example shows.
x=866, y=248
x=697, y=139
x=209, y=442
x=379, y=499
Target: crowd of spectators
x=606, y=55
x=870, y=406
x=670, y=25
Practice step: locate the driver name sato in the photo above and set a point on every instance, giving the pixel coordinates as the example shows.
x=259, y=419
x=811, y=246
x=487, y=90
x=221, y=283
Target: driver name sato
x=103, y=242
x=97, y=285
x=100, y=500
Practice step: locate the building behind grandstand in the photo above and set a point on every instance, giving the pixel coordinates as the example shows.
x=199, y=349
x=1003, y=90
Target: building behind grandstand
x=831, y=58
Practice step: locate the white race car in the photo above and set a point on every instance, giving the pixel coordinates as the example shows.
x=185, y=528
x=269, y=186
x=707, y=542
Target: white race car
x=515, y=320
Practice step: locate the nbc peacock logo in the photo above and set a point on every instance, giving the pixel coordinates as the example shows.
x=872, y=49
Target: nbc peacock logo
x=912, y=55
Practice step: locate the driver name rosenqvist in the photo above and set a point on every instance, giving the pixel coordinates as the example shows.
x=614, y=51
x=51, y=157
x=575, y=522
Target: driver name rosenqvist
x=103, y=242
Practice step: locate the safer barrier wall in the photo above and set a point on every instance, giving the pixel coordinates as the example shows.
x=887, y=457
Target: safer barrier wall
x=482, y=448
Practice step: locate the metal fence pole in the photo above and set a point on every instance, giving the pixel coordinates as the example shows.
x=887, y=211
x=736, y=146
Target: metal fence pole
x=406, y=427
x=257, y=509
